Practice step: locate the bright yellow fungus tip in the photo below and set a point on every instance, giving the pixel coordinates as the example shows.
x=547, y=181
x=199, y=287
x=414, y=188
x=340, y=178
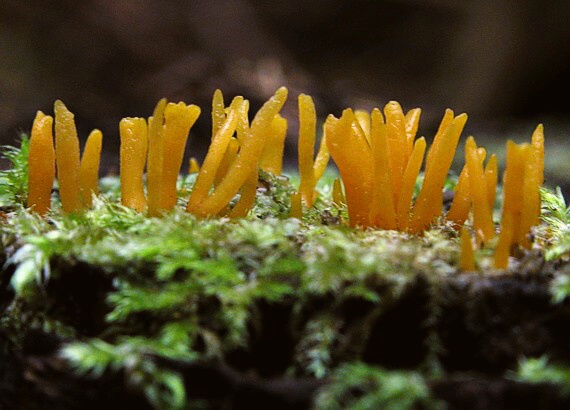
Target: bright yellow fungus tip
x=272, y=156
x=311, y=169
x=382, y=212
x=133, y=154
x=353, y=157
x=89, y=168
x=178, y=119
x=533, y=179
x=214, y=158
x=67, y=158
x=397, y=145
x=305, y=147
x=155, y=158
x=363, y=118
x=430, y=200
x=521, y=196
x=412, y=123
x=246, y=162
x=218, y=111
x=482, y=215
x=322, y=158
x=491, y=180
x=41, y=164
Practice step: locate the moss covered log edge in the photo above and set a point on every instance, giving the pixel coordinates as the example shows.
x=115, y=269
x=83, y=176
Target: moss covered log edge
x=356, y=317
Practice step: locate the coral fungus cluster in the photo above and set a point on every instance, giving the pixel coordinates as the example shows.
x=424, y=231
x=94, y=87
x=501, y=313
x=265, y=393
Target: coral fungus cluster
x=377, y=154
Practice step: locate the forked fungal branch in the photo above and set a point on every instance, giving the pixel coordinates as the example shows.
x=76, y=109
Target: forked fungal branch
x=377, y=154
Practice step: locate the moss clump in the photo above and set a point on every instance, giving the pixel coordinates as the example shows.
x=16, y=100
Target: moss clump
x=357, y=386
x=14, y=180
x=538, y=370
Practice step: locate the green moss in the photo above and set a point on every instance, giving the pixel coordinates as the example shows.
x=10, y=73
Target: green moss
x=163, y=389
x=14, y=180
x=539, y=370
x=359, y=386
x=556, y=231
x=560, y=286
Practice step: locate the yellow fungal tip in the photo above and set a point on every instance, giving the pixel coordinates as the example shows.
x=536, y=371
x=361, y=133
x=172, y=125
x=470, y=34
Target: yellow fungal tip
x=377, y=154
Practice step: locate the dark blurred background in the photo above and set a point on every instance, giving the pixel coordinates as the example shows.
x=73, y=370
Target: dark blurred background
x=505, y=62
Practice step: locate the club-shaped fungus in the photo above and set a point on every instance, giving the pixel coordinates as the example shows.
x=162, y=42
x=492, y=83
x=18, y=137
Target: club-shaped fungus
x=41, y=164
x=377, y=154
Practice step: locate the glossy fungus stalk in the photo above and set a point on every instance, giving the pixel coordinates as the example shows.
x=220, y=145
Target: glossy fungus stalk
x=376, y=152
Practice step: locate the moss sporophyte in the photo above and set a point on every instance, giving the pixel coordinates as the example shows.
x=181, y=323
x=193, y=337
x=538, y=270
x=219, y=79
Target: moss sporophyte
x=234, y=262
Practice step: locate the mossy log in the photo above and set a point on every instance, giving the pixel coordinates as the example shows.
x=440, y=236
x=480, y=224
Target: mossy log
x=476, y=327
x=109, y=308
